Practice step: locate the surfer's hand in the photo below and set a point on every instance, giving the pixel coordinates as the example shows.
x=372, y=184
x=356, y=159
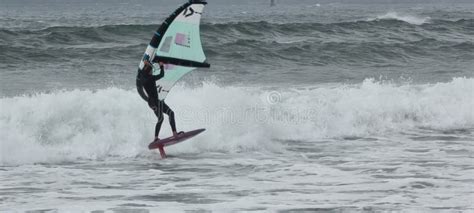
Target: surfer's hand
x=161, y=63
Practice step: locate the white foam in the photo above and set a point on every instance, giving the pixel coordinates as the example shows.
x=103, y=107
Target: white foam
x=82, y=124
x=406, y=18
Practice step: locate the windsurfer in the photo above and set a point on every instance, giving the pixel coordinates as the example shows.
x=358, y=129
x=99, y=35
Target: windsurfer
x=148, y=80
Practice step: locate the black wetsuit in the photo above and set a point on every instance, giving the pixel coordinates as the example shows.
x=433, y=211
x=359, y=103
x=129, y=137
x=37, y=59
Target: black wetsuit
x=148, y=80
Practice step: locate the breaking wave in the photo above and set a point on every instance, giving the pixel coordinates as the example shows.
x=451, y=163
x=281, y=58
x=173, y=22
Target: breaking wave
x=85, y=124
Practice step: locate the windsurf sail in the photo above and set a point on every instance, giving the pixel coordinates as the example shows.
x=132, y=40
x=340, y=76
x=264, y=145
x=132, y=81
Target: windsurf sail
x=177, y=43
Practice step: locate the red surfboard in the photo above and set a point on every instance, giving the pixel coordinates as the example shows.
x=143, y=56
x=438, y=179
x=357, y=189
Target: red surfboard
x=173, y=140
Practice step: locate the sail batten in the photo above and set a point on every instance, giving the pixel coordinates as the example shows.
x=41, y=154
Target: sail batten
x=181, y=62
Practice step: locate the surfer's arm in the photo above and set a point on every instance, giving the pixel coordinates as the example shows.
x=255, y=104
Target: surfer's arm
x=162, y=73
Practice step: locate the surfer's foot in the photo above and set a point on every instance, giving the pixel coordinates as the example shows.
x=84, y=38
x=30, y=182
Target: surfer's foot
x=157, y=138
x=175, y=134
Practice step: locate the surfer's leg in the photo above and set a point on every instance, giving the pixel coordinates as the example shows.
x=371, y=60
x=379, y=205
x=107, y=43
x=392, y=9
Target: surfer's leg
x=170, y=113
x=158, y=127
x=159, y=114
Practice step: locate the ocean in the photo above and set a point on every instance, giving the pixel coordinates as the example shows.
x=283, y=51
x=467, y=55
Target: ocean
x=309, y=106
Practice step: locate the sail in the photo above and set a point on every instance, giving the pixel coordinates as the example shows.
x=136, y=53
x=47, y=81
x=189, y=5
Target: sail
x=177, y=43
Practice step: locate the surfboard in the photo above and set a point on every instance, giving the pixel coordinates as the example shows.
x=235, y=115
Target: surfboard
x=160, y=144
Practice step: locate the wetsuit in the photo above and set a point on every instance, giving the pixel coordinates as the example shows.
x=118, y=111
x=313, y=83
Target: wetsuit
x=148, y=80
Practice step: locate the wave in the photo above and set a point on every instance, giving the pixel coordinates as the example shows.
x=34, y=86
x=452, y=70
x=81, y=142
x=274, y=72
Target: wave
x=385, y=20
x=323, y=43
x=85, y=124
x=406, y=18
x=390, y=23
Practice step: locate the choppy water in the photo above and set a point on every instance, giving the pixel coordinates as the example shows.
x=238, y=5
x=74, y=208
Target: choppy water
x=308, y=105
